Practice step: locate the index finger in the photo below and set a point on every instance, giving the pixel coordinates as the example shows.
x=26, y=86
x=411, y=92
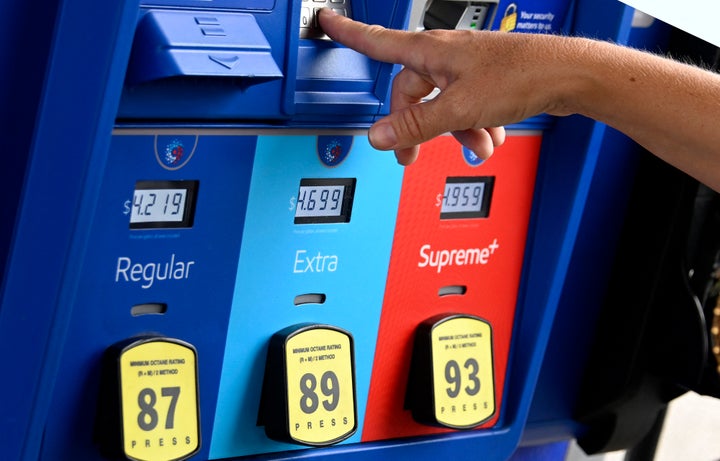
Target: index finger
x=375, y=41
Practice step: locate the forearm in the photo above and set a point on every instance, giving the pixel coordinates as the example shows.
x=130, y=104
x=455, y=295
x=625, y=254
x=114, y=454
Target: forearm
x=670, y=108
x=491, y=79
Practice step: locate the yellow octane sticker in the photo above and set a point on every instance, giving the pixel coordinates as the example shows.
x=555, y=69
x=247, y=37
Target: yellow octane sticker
x=159, y=401
x=320, y=387
x=463, y=384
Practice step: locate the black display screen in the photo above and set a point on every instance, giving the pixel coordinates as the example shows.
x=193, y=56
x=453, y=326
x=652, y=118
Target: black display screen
x=467, y=197
x=324, y=200
x=163, y=204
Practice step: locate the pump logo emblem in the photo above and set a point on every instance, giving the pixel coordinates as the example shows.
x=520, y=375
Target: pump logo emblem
x=173, y=152
x=333, y=150
x=470, y=157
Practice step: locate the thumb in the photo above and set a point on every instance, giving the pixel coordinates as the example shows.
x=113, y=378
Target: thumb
x=413, y=124
x=406, y=128
x=403, y=131
x=382, y=136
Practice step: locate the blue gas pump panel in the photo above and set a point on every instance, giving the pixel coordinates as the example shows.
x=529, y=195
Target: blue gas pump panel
x=316, y=248
x=254, y=60
x=221, y=240
x=161, y=258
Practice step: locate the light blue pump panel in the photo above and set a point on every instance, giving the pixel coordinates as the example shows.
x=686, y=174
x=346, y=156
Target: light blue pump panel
x=279, y=260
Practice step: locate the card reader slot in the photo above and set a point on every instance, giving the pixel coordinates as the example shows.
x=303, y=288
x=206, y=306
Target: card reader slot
x=330, y=76
x=459, y=14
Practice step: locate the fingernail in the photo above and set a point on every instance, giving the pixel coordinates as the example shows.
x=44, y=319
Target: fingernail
x=382, y=136
x=328, y=11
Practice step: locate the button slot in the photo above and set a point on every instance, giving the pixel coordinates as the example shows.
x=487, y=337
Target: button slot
x=148, y=309
x=310, y=298
x=450, y=290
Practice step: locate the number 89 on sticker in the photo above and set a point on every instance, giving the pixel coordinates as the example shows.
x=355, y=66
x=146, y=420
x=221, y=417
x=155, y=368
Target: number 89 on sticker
x=313, y=401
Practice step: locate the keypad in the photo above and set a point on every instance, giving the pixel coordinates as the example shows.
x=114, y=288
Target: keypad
x=309, y=27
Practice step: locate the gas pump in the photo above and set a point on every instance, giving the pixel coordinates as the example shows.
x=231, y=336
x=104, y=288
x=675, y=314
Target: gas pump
x=20, y=93
x=234, y=272
x=634, y=328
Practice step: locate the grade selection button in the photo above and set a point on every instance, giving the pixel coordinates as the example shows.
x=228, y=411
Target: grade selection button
x=451, y=381
x=309, y=387
x=149, y=407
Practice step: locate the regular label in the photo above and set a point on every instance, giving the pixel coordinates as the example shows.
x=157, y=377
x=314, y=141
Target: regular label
x=158, y=385
x=320, y=386
x=463, y=383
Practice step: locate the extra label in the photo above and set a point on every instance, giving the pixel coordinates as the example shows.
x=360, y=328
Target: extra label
x=320, y=386
x=462, y=372
x=159, y=400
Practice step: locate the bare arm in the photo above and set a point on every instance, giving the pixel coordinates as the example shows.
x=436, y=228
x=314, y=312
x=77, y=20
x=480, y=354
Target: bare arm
x=491, y=79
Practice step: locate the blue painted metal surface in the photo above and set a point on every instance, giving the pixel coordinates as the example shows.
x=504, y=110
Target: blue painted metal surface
x=51, y=333
x=551, y=416
x=71, y=133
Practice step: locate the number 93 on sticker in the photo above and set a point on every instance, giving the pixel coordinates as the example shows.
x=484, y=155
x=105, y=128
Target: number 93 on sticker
x=451, y=376
x=462, y=371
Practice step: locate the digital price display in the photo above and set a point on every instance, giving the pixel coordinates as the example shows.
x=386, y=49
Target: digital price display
x=467, y=197
x=324, y=200
x=163, y=204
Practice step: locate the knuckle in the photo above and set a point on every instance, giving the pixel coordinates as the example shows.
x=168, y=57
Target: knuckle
x=375, y=30
x=412, y=125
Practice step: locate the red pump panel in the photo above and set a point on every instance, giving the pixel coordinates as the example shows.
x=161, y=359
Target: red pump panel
x=476, y=260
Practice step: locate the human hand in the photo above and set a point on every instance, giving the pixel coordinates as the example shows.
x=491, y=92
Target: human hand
x=475, y=98
x=491, y=79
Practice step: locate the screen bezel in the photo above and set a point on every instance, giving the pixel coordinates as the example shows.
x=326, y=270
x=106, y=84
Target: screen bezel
x=484, y=210
x=346, y=208
x=191, y=190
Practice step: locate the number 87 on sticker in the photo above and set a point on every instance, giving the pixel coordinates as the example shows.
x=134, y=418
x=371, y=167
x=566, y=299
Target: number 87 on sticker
x=149, y=400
